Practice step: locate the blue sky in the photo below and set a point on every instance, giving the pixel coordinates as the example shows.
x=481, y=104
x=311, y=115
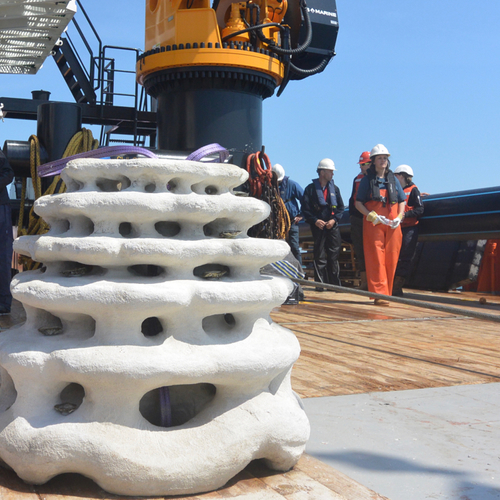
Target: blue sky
x=422, y=78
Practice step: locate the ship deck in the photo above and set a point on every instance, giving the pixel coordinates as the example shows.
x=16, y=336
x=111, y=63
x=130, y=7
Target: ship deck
x=349, y=347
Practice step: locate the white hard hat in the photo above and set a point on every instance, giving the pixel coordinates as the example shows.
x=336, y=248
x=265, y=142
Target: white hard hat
x=279, y=170
x=379, y=149
x=404, y=169
x=326, y=164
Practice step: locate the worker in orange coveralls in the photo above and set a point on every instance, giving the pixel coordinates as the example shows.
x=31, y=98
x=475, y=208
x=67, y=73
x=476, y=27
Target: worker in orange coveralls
x=381, y=200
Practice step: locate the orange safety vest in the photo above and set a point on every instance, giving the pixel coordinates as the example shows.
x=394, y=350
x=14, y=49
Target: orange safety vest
x=357, y=180
x=410, y=221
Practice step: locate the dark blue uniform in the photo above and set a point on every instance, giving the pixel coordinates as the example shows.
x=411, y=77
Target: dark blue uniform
x=327, y=242
x=292, y=193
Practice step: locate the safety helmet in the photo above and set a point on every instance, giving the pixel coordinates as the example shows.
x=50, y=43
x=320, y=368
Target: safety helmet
x=364, y=158
x=379, y=149
x=279, y=170
x=404, y=169
x=326, y=164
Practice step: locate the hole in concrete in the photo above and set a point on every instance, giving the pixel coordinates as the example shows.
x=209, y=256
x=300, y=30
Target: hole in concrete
x=150, y=188
x=175, y=405
x=8, y=393
x=146, y=270
x=218, y=323
x=73, y=185
x=113, y=185
x=151, y=327
x=76, y=270
x=126, y=230
x=49, y=325
x=168, y=229
x=71, y=397
x=78, y=326
x=82, y=226
x=208, y=230
x=211, y=190
x=222, y=228
x=173, y=185
x=202, y=188
x=211, y=271
x=59, y=226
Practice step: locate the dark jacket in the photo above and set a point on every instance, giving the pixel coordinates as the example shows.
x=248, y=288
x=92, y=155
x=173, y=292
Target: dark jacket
x=353, y=211
x=313, y=209
x=6, y=176
x=414, y=208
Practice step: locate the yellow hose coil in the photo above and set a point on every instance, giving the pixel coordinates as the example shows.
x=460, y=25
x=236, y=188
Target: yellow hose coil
x=81, y=142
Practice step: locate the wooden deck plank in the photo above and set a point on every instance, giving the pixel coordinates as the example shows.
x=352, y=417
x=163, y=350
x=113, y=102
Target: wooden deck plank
x=349, y=346
x=337, y=482
x=460, y=359
x=350, y=355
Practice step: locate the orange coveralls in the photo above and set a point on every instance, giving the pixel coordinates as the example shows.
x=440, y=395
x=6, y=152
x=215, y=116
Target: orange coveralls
x=381, y=245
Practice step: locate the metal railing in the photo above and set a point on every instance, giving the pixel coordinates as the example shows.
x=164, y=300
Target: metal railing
x=104, y=67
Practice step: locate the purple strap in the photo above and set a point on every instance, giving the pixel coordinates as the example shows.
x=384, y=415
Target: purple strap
x=56, y=167
x=208, y=150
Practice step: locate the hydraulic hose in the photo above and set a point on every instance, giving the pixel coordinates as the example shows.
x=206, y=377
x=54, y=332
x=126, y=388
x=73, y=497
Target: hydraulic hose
x=313, y=71
x=256, y=28
x=279, y=50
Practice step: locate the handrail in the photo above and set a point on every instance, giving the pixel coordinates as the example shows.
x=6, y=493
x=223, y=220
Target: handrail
x=92, y=77
x=102, y=70
x=136, y=87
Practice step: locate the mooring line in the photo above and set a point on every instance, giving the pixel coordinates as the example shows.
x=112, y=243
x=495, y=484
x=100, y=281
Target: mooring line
x=400, y=300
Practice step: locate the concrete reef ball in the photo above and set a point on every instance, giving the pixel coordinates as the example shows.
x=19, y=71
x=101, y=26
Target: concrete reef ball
x=148, y=361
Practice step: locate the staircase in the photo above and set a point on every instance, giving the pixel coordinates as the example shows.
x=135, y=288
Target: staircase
x=105, y=82
x=76, y=77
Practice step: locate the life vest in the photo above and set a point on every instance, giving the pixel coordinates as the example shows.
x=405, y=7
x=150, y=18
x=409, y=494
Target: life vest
x=392, y=193
x=409, y=221
x=321, y=197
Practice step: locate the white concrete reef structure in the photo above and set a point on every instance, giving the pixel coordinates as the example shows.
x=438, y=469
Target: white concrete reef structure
x=148, y=361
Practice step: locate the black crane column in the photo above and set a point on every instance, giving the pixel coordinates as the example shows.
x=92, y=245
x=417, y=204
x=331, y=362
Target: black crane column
x=210, y=104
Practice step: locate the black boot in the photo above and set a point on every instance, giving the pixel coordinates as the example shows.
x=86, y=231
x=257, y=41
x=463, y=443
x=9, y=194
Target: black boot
x=397, y=288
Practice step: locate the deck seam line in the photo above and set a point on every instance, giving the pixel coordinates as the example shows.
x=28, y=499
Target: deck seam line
x=429, y=318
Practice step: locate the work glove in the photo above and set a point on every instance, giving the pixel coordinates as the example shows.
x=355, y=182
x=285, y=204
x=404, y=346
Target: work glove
x=374, y=218
x=397, y=221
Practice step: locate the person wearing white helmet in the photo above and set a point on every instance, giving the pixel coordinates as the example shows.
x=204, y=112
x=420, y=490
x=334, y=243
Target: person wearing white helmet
x=322, y=207
x=356, y=218
x=414, y=209
x=381, y=200
x=291, y=193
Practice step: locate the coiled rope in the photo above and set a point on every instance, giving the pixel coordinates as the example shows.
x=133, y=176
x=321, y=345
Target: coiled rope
x=80, y=142
x=263, y=185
